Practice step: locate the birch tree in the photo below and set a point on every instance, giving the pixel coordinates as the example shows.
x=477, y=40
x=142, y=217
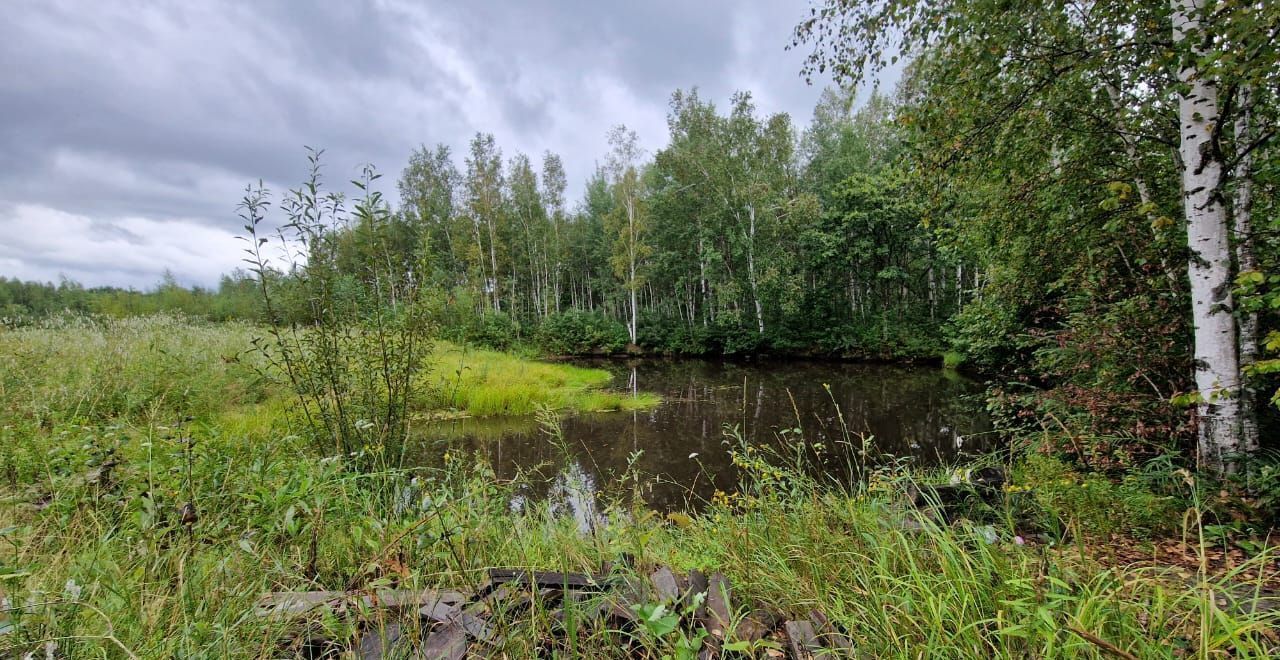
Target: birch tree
x=627, y=221
x=1186, y=62
x=483, y=186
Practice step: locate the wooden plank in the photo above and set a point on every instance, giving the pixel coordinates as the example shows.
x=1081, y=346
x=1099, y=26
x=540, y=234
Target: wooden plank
x=294, y=603
x=755, y=626
x=477, y=628
x=665, y=585
x=448, y=643
x=397, y=598
x=802, y=639
x=379, y=642
x=548, y=579
x=697, y=585
x=586, y=608
x=829, y=635
x=719, y=616
x=439, y=611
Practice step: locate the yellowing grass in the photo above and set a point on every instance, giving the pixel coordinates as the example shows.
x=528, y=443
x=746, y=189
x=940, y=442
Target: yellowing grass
x=485, y=383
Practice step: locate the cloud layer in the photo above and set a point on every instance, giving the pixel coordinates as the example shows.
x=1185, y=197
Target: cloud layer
x=128, y=130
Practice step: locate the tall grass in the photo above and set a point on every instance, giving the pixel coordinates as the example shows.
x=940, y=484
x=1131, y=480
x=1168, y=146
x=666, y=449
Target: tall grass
x=104, y=563
x=84, y=369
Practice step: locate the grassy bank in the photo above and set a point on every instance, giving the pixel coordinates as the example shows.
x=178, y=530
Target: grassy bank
x=483, y=383
x=153, y=488
x=78, y=369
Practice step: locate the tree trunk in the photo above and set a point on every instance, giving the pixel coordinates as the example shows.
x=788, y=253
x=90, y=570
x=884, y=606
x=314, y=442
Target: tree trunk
x=1217, y=372
x=751, y=266
x=1246, y=261
x=631, y=265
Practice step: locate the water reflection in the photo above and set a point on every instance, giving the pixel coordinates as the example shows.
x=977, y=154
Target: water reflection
x=922, y=413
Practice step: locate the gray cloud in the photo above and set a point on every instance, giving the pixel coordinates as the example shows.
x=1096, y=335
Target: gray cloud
x=129, y=129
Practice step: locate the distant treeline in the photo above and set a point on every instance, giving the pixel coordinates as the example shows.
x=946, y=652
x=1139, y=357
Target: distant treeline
x=234, y=298
x=742, y=235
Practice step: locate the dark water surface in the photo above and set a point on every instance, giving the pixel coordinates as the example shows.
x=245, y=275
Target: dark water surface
x=920, y=412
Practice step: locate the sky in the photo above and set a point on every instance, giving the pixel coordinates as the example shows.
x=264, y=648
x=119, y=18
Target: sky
x=129, y=129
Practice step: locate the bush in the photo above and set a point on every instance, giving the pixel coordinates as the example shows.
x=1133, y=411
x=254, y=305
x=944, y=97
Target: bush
x=666, y=334
x=577, y=333
x=1092, y=503
x=496, y=330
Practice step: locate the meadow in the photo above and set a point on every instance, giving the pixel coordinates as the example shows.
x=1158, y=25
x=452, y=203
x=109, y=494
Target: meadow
x=156, y=481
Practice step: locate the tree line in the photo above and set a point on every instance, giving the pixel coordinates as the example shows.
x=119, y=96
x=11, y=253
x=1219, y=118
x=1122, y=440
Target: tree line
x=742, y=234
x=1077, y=198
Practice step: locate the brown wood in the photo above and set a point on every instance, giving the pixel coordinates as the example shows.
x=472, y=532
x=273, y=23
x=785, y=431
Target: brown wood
x=802, y=639
x=665, y=585
x=439, y=611
x=829, y=635
x=719, y=616
x=755, y=626
x=379, y=642
x=548, y=579
x=294, y=603
x=448, y=643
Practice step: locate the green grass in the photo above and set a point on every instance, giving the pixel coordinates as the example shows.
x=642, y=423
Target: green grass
x=105, y=568
x=485, y=383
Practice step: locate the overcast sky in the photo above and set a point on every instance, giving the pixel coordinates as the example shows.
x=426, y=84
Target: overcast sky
x=128, y=130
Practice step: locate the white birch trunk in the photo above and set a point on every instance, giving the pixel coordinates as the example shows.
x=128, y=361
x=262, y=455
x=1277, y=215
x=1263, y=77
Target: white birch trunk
x=751, y=266
x=631, y=265
x=1246, y=261
x=1217, y=372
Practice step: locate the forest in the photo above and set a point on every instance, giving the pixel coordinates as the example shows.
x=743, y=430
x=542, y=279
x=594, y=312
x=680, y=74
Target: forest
x=1073, y=207
x=879, y=231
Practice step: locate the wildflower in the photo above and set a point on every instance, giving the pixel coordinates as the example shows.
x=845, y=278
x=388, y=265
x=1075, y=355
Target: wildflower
x=72, y=590
x=693, y=455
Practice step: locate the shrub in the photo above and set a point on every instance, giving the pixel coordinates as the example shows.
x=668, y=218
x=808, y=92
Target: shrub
x=577, y=332
x=496, y=330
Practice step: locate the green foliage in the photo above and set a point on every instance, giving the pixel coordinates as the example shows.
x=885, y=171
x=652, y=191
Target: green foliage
x=27, y=302
x=1090, y=503
x=350, y=332
x=102, y=560
x=580, y=333
x=494, y=330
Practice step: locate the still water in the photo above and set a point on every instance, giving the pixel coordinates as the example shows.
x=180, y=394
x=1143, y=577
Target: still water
x=681, y=447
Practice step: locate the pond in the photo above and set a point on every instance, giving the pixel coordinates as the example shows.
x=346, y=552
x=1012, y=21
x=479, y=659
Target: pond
x=681, y=448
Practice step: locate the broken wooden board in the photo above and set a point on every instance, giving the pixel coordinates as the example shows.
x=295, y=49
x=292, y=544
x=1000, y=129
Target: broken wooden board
x=548, y=579
x=829, y=635
x=447, y=643
x=802, y=639
x=665, y=585
x=295, y=603
x=380, y=642
x=719, y=615
x=755, y=626
x=439, y=611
